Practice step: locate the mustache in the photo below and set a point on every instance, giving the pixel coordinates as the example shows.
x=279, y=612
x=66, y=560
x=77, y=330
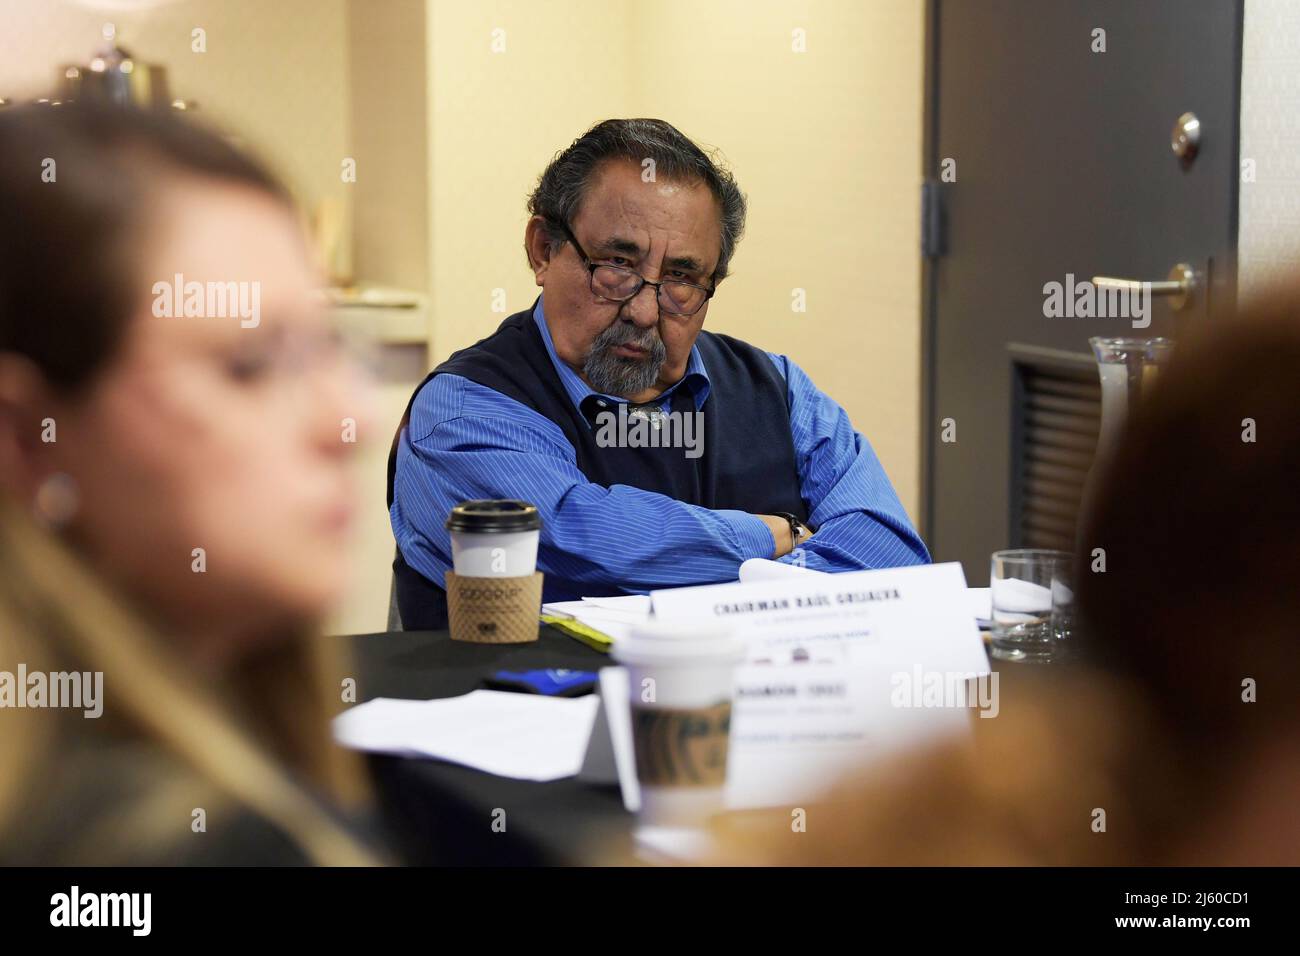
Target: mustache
x=619, y=375
x=626, y=333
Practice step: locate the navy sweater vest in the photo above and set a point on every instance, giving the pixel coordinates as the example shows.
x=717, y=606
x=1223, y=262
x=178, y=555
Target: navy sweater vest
x=748, y=460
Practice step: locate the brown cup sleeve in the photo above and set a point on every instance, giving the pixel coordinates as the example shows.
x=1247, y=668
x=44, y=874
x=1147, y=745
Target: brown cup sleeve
x=494, y=610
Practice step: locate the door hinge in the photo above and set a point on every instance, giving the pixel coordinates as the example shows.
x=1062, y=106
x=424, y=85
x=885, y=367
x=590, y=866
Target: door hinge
x=932, y=233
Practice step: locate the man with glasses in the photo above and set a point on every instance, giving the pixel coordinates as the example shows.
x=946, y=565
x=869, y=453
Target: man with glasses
x=632, y=230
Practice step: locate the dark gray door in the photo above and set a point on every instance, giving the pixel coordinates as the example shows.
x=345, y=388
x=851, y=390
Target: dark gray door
x=1063, y=166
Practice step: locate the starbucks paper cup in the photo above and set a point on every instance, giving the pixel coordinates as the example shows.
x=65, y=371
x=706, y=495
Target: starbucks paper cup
x=682, y=682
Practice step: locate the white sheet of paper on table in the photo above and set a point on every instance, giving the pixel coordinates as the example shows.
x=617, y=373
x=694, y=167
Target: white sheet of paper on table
x=637, y=605
x=525, y=736
x=615, y=622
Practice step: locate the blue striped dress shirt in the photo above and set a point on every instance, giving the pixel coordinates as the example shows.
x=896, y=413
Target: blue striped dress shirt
x=467, y=441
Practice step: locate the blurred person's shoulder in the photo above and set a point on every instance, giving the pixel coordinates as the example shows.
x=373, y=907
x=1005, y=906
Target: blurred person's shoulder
x=127, y=803
x=1042, y=783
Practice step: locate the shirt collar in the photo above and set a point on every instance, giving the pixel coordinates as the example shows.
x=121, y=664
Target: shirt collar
x=696, y=377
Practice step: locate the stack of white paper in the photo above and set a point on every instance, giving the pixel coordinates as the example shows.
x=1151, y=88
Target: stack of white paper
x=612, y=616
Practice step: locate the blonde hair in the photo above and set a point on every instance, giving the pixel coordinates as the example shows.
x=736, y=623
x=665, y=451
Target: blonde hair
x=246, y=744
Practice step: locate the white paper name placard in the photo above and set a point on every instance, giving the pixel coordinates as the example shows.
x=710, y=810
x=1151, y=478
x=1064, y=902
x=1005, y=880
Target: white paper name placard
x=896, y=618
x=843, y=669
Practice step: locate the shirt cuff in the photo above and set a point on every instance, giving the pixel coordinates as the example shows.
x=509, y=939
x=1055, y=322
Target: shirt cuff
x=756, y=540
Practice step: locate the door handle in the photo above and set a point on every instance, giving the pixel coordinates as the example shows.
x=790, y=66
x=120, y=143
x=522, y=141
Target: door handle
x=1179, y=287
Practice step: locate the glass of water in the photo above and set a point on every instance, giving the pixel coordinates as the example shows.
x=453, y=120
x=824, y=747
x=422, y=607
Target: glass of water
x=1063, y=608
x=1022, y=583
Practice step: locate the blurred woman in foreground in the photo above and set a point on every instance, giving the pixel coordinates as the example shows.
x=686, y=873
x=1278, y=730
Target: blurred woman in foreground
x=174, y=499
x=1178, y=742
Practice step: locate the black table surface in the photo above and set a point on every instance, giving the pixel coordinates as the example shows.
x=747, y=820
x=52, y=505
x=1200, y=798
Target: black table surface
x=442, y=813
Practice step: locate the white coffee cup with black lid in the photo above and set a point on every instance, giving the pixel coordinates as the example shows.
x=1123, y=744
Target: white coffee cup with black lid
x=494, y=538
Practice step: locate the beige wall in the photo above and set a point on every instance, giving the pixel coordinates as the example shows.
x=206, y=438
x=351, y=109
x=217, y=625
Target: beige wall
x=389, y=140
x=826, y=143
x=1268, y=225
x=276, y=73
x=497, y=118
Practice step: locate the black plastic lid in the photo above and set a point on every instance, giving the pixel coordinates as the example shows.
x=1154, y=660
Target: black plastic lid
x=494, y=516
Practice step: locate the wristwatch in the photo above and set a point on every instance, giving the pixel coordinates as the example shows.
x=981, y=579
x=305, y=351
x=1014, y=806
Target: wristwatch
x=797, y=528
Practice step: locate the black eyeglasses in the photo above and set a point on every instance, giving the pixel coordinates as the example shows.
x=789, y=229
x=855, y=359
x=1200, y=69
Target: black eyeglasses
x=619, y=284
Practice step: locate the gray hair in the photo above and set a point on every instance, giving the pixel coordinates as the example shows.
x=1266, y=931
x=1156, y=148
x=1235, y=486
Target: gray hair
x=563, y=185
